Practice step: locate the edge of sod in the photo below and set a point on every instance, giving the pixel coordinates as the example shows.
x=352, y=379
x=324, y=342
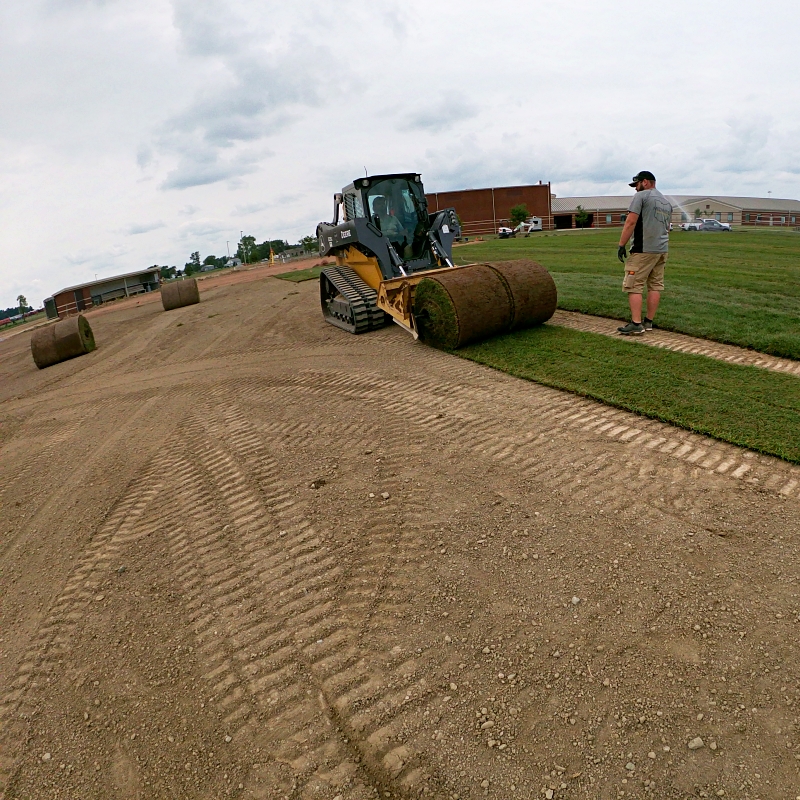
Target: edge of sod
x=508, y=354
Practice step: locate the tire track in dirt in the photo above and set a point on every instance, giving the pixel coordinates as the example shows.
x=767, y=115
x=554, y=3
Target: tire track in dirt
x=53, y=638
x=558, y=415
x=318, y=606
x=639, y=447
x=59, y=453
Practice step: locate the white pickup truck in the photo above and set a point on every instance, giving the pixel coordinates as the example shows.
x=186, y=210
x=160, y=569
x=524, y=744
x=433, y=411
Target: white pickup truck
x=705, y=225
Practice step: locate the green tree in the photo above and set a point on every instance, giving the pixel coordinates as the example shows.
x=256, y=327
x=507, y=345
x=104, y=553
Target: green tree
x=310, y=244
x=193, y=264
x=167, y=273
x=246, y=249
x=22, y=304
x=581, y=217
x=518, y=214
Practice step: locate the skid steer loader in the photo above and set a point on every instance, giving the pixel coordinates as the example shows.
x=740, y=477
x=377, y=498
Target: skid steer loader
x=394, y=262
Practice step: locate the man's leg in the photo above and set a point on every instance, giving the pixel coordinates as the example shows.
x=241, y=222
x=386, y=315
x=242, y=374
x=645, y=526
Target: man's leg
x=655, y=285
x=653, y=299
x=635, y=302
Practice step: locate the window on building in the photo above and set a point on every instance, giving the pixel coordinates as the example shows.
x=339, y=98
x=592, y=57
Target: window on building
x=783, y=220
x=747, y=218
x=608, y=219
x=623, y=217
x=730, y=216
x=794, y=219
x=718, y=216
x=758, y=217
x=684, y=216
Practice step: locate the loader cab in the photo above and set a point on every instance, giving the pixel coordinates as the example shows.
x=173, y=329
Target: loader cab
x=396, y=205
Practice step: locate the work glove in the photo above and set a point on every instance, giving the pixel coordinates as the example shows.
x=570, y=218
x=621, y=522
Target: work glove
x=622, y=253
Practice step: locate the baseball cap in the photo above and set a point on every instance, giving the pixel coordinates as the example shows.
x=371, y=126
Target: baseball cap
x=644, y=175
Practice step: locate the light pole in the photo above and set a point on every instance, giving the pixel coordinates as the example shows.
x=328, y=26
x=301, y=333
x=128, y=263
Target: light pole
x=228, y=245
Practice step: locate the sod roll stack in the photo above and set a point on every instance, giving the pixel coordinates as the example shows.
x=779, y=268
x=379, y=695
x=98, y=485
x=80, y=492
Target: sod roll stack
x=65, y=339
x=180, y=293
x=467, y=304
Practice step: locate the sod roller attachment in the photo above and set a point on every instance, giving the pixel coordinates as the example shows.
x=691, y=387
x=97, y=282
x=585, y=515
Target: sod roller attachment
x=65, y=339
x=456, y=307
x=179, y=293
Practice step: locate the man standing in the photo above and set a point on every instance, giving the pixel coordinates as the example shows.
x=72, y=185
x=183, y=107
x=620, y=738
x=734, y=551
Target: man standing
x=648, y=220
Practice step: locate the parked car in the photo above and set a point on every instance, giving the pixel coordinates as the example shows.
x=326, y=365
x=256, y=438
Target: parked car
x=692, y=225
x=714, y=225
x=504, y=233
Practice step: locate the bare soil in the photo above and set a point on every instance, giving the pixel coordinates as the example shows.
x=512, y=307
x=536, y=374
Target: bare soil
x=245, y=554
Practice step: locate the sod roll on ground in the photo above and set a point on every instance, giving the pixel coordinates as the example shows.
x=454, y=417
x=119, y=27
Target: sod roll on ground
x=456, y=307
x=65, y=339
x=179, y=293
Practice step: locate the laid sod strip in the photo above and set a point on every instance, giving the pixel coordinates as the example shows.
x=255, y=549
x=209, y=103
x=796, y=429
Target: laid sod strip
x=739, y=288
x=300, y=275
x=743, y=405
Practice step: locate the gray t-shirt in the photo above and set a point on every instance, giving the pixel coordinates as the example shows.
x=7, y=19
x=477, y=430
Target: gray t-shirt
x=651, y=234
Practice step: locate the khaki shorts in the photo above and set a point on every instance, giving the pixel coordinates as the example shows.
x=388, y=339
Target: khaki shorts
x=644, y=269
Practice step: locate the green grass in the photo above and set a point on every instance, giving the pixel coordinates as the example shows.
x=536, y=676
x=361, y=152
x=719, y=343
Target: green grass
x=746, y=406
x=742, y=288
x=301, y=275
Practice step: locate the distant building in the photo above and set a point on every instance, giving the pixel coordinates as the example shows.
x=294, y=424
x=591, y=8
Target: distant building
x=483, y=211
x=610, y=211
x=75, y=299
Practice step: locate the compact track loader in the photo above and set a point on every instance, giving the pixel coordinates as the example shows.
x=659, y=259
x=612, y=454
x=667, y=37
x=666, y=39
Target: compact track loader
x=394, y=262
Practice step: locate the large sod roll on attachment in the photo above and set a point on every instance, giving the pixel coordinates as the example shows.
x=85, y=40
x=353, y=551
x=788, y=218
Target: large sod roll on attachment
x=532, y=289
x=65, y=339
x=180, y=293
x=466, y=304
x=462, y=305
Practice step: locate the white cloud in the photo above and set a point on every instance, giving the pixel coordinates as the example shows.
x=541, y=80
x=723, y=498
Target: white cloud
x=136, y=229
x=206, y=117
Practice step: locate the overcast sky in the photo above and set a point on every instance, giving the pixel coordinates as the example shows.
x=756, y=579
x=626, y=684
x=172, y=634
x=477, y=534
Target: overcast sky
x=133, y=132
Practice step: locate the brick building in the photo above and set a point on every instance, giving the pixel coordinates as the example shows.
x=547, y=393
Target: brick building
x=483, y=211
x=610, y=211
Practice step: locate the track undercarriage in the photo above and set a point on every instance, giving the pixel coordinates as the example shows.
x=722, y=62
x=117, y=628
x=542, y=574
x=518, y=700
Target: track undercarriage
x=348, y=302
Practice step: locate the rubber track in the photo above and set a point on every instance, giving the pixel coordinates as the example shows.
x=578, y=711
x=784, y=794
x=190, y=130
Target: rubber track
x=361, y=297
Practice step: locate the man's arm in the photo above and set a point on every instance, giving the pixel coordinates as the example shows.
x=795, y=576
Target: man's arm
x=627, y=230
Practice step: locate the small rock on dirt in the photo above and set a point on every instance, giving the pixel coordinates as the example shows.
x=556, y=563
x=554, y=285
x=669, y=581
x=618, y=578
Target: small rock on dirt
x=696, y=743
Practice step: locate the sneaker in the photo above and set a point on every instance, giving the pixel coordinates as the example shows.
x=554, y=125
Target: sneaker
x=647, y=324
x=632, y=328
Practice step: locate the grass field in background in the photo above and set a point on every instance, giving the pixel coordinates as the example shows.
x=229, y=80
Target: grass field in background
x=300, y=275
x=742, y=287
x=746, y=406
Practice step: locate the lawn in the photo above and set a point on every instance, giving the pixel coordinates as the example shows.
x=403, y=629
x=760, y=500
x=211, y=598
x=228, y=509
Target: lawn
x=300, y=275
x=746, y=406
x=742, y=287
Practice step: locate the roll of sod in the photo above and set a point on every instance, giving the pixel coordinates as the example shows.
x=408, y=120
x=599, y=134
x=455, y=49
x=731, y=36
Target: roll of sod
x=462, y=305
x=533, y=290
x=179, y=293
x=65, y=339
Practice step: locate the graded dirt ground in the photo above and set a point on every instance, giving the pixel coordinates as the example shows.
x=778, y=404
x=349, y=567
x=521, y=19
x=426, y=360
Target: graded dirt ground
x=245, y=554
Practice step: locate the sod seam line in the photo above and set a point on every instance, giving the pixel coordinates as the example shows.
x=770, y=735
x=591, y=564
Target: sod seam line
x=677, y=342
